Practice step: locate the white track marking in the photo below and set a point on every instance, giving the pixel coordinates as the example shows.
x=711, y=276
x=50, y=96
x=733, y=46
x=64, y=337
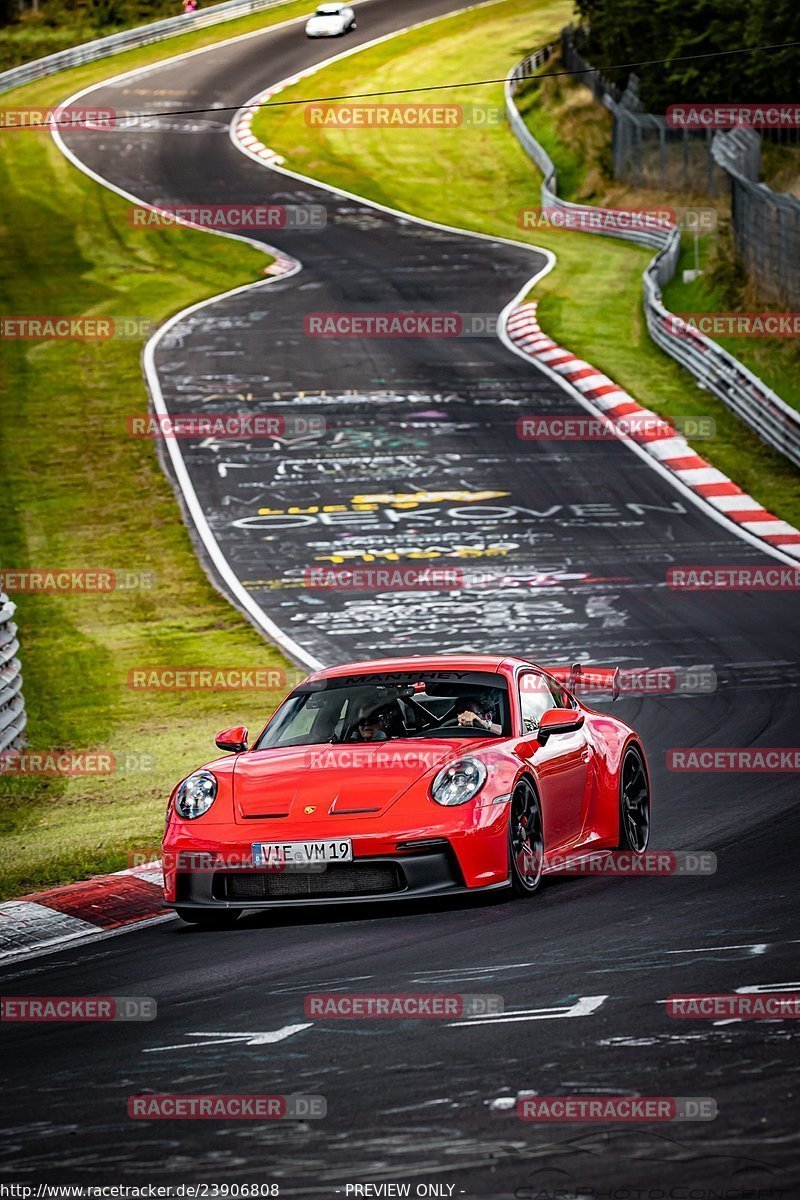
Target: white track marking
x=760, y=988
x=266, y=1038
x=753, y=947
x=288, y=644
x=583, y=1007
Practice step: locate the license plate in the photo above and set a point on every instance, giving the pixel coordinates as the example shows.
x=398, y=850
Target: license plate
x=295, y=854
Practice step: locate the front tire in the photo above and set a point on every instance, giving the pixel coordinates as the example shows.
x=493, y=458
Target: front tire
x=209, y=918
x=634, y=802
x=525, y=840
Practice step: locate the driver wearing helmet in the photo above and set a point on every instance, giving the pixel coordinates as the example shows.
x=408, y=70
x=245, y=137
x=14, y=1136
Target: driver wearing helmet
x=475, y=711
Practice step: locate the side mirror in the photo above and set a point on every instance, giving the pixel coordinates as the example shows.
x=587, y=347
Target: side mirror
x=234, y=739
x=559, y=720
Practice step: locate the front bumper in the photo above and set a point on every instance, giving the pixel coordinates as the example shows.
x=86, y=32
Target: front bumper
x=210, y=864
x=433, y=871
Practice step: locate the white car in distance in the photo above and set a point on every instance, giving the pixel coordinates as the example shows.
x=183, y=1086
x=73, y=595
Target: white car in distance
x=331, y=20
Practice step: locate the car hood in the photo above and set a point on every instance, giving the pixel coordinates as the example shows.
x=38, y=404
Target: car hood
x=358, y=780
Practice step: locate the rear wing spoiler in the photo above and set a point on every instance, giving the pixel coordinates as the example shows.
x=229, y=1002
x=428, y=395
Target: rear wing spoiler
x=579, y=678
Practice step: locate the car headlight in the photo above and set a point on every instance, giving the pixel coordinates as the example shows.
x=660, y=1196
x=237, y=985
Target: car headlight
x=196, y=795
x=459, y=782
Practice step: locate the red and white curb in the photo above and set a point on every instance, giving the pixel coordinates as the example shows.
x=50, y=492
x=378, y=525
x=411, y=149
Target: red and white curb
x=79, y=912
x=244, y=134
x=243, y=131
x=672, y=453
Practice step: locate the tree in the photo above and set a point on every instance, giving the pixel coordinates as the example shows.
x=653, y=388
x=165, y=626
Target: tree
x=624, y=31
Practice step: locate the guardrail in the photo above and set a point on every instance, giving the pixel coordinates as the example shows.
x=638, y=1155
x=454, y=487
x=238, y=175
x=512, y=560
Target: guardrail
x=128, y=39
x=761, y=409
x=12, y=705
x=658, y=236
x=775, y=422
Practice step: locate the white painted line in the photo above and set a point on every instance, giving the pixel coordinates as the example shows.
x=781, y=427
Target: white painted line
x=214, y=551
x=267, y=1038
x=754, y=947
x=583, y=1007
x=762, y=988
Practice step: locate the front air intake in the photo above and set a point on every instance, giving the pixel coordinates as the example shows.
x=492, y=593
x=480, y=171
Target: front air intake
x=338, y=879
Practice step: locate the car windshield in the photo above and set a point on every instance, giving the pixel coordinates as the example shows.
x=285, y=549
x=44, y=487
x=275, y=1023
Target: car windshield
x=385, y=707
x=328, y=10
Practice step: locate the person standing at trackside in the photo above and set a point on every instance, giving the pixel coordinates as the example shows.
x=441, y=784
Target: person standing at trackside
x=190, y=6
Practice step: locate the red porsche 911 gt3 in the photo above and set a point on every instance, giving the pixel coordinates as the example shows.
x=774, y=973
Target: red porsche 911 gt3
x=402, y=778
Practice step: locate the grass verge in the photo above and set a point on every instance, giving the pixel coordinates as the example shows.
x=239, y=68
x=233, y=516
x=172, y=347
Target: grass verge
x=79, y=493
x=58, y=26
x=478, y=177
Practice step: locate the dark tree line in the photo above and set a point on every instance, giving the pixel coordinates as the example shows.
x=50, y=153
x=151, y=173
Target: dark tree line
x=622, y=31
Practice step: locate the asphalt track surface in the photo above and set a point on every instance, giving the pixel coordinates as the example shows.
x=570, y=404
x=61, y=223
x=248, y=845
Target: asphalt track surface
x=417, y=1101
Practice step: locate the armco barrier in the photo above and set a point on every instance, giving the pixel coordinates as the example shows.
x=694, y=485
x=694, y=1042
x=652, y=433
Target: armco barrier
x=12, y=705
x=761, y=409
x=743, y=392
x=129, y=39
x=658, y=237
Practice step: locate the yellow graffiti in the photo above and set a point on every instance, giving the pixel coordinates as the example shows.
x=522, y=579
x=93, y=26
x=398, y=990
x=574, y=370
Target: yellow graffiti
x=369, y=556
x=369, y=503
x=295, y=510
x=411, y=499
